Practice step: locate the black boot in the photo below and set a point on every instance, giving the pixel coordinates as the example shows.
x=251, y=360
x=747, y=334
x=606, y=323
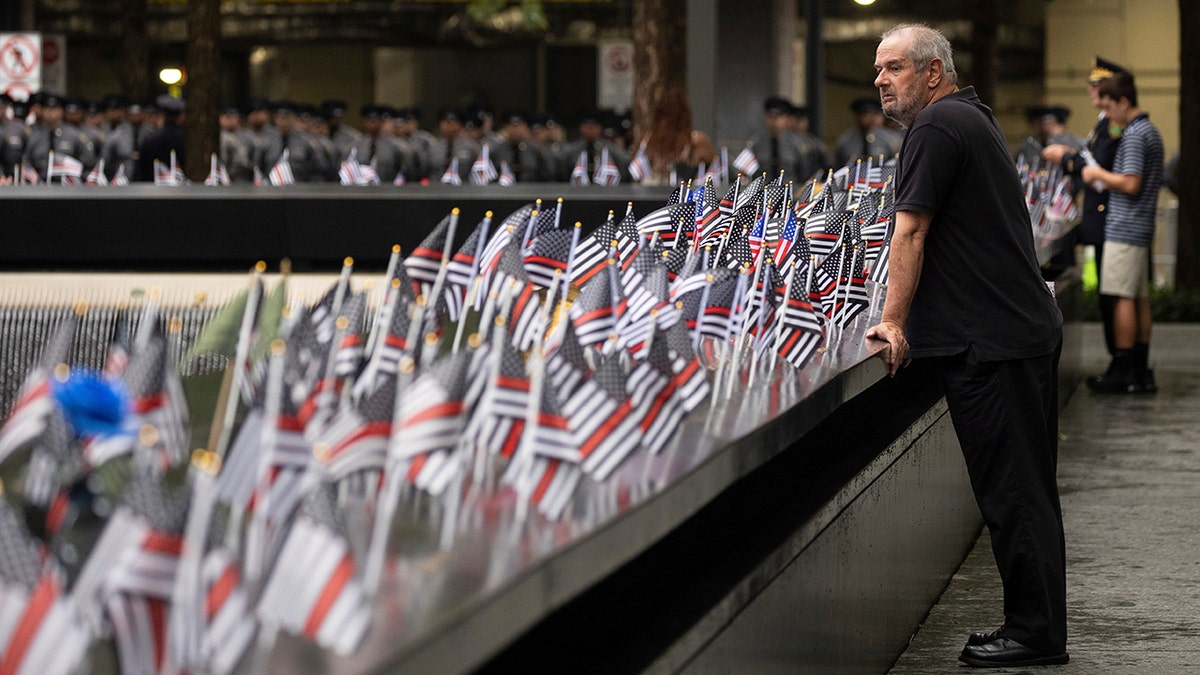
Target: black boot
x=1119, y=378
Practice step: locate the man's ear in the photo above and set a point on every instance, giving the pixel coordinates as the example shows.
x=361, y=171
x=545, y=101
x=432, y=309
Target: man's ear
x=936, y=71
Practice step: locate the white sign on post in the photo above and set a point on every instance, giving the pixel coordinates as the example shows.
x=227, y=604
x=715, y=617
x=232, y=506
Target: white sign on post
x=20, y=63
x=54, y=62
x=615, y=74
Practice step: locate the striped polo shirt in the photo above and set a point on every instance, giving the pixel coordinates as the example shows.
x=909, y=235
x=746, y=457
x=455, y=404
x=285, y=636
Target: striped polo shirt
x=1131, y=217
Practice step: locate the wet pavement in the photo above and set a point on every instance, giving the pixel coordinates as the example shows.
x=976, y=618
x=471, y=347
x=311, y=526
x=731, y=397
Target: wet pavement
x=1129, y=477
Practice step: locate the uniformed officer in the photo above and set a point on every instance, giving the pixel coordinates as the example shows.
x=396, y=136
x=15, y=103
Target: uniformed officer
x=548, y=133
x=776, y=147
x=868, y=137
x=123, y=147
x=14, y=134
x=49, y=133
x=1048, y=126
x=258, y=130
x=164, y=141
x=526, y=158
x=452, y=143
x=114, y=112
x=93, y=125
x=406, y=125
x=592, y=144
x=302, y=153
x=233, y=147
x=391, y=155
x=814, y=156
x=341, y=134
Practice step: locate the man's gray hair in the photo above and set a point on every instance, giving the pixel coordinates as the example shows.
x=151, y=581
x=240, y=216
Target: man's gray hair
x=925, y=45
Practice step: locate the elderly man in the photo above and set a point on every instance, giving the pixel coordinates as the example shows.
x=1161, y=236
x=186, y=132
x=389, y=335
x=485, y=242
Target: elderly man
x=966, y=295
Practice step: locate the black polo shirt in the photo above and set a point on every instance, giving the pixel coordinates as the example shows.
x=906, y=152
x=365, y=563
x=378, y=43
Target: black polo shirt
x=981, y=287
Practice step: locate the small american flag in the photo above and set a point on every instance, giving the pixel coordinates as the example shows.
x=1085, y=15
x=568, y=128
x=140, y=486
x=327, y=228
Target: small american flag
x=281, y=173
x=579, y=174
x=607, y=173
x=450, y=176
x=639, y=166
x=746, y=162
x=96, y=175
x=482, y=170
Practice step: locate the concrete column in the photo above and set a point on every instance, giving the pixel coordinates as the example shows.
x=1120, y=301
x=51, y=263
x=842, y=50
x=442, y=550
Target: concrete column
x=747, y=69
x=702, y=72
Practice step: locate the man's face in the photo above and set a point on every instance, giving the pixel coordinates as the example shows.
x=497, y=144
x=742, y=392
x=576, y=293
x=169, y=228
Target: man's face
x=1119, y=110
x=902, y=88
x=229, y=121
x=776, y=123
x=51, y=115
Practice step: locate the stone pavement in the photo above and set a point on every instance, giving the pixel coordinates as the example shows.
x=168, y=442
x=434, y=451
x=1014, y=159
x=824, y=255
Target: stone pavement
x=1129, y=477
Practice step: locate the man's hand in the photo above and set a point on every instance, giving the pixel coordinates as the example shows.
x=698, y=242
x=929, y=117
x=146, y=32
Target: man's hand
x=896, y=355
x=1054, y=153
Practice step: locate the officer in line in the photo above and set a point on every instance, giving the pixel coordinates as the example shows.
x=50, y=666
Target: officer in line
x=526, y=157
x=390, y=154
x=14, y=134
x=166, y=140
x=233, y=149
x=1048, y=126
x=50, y=132
x=123, y=147
x=868, y=137
x=548, y=133
x=341, y=134
x=592, y=144
x=814, y=155
x=406, y=125
x=776, y=147
x=302, y=154
x=453, y=142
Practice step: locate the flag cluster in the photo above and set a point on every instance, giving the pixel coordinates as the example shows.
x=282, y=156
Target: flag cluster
x=1050, y=196
x=510, y=370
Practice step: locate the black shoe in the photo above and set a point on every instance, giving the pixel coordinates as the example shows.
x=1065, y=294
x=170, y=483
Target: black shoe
x=1003, y=653
x=1145, y=382
x=976, y=639
x=1112, y=385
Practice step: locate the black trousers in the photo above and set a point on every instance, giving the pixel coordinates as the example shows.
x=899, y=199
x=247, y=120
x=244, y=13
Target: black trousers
x=1005, y=415
x=1106, y=303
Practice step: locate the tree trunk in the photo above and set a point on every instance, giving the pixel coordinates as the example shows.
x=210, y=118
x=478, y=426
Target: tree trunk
x=203, y=86
x=135, y=60
x=984, y=50
x=659, y=55
x=1187, y=260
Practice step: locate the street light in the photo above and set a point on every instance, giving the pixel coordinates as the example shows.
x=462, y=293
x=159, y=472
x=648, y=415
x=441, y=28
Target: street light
x=170, y=76
x=865, y=3
x=174, y=78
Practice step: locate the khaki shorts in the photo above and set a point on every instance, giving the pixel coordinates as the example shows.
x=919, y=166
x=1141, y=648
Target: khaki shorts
x=1125, y=270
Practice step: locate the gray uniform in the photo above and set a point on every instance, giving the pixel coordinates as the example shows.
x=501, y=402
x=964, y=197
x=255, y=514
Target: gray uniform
x=391, y=155
x=302, y=156
x=787, y=152
x=123, y=148
x=529, y=161
x=234, y=157
x=443, y=151
x=853, y=144
x=13, y=149
x=595, y=153
x=65, y=140
x=343, y=139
